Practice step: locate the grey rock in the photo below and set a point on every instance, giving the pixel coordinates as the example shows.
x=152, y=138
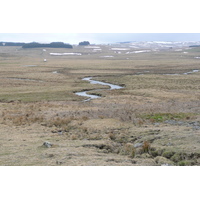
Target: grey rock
x=180, y=123
x=60, y=132
x=59, y=162
x=157, y=124
x=169, y=144
x=196, y=127
x=138, y=145
x=47, y=144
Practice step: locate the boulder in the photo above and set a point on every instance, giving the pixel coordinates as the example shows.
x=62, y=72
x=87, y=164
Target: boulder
x=137, y=145
x=47, y=144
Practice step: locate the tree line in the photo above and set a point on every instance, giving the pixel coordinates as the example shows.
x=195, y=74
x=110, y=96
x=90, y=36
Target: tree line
x=84, y=43
x=51, y=45
x=37, y=45
x=43, y=45
x=12, y=43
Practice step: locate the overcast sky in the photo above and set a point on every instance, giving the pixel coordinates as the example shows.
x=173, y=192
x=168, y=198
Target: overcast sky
x=97, y=38
x=96, y=21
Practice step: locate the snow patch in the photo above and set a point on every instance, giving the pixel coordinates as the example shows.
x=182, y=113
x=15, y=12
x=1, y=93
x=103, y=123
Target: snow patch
x=65, y=54
x=120, y=49
x=143, y=51
x=178, y=50
x=91, y=47
x=106, y=56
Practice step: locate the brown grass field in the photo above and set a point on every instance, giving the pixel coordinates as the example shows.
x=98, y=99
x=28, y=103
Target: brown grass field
x=154, y=120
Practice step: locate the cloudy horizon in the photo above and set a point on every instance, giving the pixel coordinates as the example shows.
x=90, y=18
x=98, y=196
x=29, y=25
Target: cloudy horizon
x=97, y=38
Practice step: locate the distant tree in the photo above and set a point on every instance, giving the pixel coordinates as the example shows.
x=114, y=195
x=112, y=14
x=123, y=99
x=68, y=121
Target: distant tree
x=32, y=45
x=37, y=45
x=59, y=45
x=194, y=46
x=84, y=43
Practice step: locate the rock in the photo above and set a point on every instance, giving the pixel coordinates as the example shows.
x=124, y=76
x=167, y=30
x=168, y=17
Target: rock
x=59, y=162
x=196, y=127
x=47, y=144
x=138, y=145
x=169, y=144
x=156, y=124
x=60, y=132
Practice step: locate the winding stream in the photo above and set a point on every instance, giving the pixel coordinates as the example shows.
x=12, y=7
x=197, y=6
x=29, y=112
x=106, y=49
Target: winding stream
x=92, y=96
x=112, y=86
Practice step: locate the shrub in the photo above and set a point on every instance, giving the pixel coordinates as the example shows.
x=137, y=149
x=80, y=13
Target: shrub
x=146, y=147
x=128, y=149
x=112, y=136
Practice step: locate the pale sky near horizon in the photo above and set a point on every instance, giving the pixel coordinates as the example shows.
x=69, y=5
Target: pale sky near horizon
x=96, y=21
x=97, y=38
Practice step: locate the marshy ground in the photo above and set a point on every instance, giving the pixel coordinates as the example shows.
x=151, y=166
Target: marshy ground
x=153, y=120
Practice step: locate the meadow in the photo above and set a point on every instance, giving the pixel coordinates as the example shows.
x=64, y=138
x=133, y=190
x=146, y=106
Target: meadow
x=153, y=120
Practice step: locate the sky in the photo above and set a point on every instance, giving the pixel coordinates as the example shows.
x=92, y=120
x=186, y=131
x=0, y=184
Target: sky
x=99, y=21
x=97, y=38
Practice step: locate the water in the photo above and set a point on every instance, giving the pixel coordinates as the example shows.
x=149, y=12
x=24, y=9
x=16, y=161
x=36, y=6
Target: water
x=65, y=54
x=91, y=96
x=193, y=71
x=112, y=86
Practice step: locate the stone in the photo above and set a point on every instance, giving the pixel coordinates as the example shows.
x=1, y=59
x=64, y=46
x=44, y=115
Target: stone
x=138, y=145
x=59, y=162
x=60, y=132
x=47, y=144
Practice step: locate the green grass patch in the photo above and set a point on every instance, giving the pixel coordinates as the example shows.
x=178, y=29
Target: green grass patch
x=194, y=49
x=40, y=96
x=161, y=117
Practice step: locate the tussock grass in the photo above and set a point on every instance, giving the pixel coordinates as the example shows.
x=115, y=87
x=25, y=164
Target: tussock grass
x=36, y=97
x=161, y=117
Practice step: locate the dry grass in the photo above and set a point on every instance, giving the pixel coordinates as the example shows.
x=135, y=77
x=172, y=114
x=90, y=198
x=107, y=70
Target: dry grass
x=38, y=105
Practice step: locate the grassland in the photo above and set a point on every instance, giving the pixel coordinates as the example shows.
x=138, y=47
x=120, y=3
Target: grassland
x=153, y=120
